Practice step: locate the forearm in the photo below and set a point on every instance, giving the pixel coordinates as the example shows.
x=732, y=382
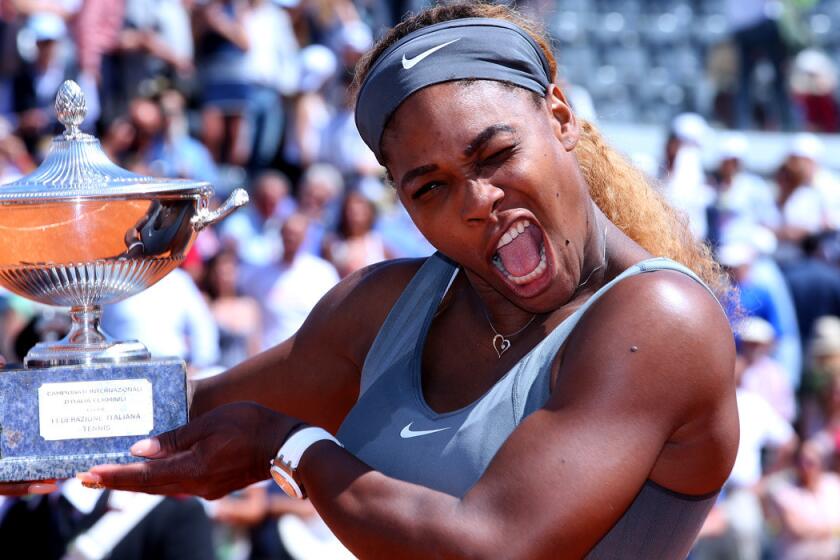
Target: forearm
x=288, y=380
x=376, y=516
x=249, y=381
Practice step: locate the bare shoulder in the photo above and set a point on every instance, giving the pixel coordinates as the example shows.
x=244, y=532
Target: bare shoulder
x=661, y=317
x=659, y=346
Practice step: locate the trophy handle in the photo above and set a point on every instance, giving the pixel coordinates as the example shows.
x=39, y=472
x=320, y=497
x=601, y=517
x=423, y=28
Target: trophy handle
x=205, y=217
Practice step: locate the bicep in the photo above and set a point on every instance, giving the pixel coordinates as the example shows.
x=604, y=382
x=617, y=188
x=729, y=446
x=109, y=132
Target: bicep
x=628, y=382
x=567, y=474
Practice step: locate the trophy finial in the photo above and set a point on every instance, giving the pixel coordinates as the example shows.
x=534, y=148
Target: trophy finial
x=70, y=107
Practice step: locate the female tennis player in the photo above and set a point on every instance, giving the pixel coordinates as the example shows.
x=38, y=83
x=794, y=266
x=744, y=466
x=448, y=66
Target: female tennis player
x=555, y=382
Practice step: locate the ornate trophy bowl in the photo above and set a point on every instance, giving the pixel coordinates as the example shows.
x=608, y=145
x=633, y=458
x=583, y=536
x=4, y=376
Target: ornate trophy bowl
x=81, y=232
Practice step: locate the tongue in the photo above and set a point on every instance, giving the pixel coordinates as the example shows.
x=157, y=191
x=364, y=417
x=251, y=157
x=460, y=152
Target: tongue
x=522, y=255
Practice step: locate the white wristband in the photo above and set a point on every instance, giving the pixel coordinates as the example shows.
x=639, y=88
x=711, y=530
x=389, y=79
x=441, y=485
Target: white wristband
x=297, y=444
x=283, y=467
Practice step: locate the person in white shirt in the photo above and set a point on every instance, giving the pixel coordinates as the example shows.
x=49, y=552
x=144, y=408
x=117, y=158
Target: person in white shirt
x=685, y=182
x=288, y=289
x=740, y=196
x=761, y=426
x=171, y=318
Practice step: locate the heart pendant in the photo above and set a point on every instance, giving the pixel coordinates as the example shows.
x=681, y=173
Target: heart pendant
x=500, y=344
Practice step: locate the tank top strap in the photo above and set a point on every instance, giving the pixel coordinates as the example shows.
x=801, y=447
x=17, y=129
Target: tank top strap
x=409, y=317
x=532, y=384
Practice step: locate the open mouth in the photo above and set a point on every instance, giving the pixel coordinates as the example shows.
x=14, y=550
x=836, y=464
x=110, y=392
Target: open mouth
x=520, y=253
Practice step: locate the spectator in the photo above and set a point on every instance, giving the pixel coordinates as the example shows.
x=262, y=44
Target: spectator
x=814, y=84
x=272, y=70
x=762, y=374
x=80, y=522
x=821, y=397
x=761, y=427
x=685, y=181
x=254, y=230
x=171, y=318
x=355, y=243
x=37, y=81
x=814, y=285
x=237, y=316
x=755, y=31
x=753, y=300
x=289, y=288
x=740, y=196
x=802, y=209
x=320, y=190
x=765, y=272
x=309, y=111
x=151, y=45
x=222, y=43
x=173, y=152
x=805, y=505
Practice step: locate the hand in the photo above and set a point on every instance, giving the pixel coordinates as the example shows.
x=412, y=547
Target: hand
x=226, y=449
x=26, y=488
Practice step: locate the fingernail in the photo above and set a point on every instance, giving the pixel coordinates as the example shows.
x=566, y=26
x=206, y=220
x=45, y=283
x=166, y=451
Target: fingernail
x=146, y=448
x=89, y=479
x=42, y=488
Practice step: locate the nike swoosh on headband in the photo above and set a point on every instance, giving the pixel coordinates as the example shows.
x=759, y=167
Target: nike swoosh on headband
x=407, y=432
x=409, y=63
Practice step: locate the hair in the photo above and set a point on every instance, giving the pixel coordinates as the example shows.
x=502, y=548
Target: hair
x=622, y=192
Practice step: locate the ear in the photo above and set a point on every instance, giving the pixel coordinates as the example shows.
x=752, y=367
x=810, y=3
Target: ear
x=563, y=120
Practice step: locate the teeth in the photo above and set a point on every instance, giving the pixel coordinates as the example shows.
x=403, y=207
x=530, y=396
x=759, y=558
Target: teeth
x=512, y=233
x=528, y=277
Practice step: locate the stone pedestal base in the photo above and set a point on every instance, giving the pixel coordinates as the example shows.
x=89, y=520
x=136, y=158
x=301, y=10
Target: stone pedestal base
x=57, y=421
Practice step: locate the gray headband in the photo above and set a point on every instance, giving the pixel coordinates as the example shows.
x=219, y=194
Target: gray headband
x=469, y=48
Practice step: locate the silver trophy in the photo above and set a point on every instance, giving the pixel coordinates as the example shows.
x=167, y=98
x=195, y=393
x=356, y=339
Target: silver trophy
x=81, y=232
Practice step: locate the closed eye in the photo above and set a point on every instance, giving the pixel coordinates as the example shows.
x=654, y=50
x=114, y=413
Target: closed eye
x=425, y=189
x=499, y=157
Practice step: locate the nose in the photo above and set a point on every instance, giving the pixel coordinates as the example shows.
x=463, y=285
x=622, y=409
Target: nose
x=480, y=200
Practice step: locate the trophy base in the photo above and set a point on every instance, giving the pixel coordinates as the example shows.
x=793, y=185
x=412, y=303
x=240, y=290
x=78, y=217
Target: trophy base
x=57, y=421
x=51, y=354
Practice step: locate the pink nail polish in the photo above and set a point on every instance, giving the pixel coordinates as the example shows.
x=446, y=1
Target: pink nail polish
x=145, y=447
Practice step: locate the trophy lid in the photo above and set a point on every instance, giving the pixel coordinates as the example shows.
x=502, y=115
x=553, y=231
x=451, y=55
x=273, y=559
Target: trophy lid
x=76, y=167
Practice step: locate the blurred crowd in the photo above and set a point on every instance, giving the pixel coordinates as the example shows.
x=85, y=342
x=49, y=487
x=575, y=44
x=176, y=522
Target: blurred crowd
x=778, y=239
x=255, y=93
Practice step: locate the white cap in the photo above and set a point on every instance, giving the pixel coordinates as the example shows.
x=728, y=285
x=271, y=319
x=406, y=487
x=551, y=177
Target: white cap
x=813, y=73
x=690, y=127
x=317, y=65
x=46, y=27
x=806, y=145
x=355, y=36
x=746, y=231
x=825, y=339
x=733, y=145
x=736, y=254
x=756, y=329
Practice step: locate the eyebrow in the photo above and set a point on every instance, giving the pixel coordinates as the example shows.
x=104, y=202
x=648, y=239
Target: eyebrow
x=484, y=136
x=475, y=144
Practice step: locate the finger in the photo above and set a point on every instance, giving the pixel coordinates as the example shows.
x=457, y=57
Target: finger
x=181, y=468
x=171, y=442
x=26, y=488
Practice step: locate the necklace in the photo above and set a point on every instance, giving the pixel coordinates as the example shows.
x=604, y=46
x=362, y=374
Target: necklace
x=501, y=342
x=597, y=268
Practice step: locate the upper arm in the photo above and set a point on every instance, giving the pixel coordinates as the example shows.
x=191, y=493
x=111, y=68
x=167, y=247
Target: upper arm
x=571, y=469
x=315, y=374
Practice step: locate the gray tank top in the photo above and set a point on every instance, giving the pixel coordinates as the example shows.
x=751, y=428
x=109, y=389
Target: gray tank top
x=392, y=429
